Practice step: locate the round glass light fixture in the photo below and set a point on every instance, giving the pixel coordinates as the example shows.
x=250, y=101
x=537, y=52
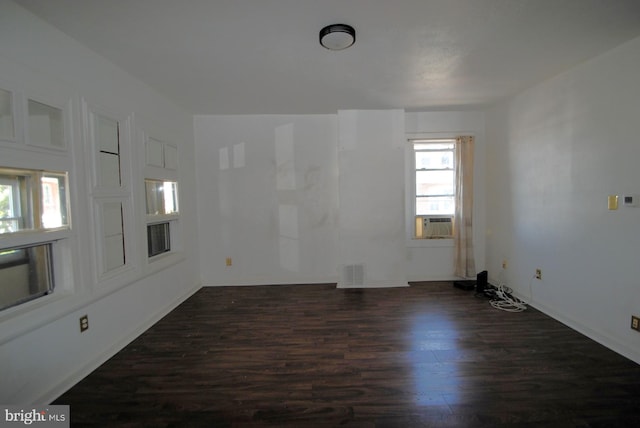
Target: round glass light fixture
x=337, y=36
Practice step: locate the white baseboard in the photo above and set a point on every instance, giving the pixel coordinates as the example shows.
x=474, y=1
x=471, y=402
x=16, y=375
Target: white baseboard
x=602, y=339
x=271, y=281
x=72, y=379
x=432, y=278
x=376, y=284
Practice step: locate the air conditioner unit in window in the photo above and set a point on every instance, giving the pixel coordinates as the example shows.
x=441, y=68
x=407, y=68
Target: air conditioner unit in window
x=437, y=227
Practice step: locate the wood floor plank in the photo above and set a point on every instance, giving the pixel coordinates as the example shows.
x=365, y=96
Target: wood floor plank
x=313, y=356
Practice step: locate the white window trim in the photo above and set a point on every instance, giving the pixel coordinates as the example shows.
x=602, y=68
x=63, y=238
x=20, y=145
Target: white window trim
x=154, y=171
x=20, y=154
x=410, y=192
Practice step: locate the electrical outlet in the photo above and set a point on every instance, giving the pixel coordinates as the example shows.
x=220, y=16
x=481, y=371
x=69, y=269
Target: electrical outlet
x=84, y=323
x=635, y=323
x=504, y=264
x=538, y=273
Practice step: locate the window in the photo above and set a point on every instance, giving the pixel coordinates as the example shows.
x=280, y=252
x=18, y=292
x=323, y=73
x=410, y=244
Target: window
x=32, y=200
x=25, y=274
x=162, y=197
x=158, y=238
x=10, y=214
x=433, y=187
x=162, y=204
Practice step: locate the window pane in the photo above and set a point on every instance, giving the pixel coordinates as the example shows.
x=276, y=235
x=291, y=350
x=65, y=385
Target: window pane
x=162, y=197
x=435, y=205
x=6, y=115
x=32, y=200
x=434, y=183
x=7, y=209
x=434, y=160
x=25, y=274
x=46, y=127
x=158, y=239
x=14, y=205
x=54, y=200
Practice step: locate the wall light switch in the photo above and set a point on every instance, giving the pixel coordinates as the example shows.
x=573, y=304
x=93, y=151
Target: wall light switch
x=613, y=202
x=630, y=200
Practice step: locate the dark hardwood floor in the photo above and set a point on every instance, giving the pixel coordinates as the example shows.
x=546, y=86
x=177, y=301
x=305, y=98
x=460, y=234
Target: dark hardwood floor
x=315, y=356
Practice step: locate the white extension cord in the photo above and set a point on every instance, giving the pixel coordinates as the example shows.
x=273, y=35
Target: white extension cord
x=504, y=299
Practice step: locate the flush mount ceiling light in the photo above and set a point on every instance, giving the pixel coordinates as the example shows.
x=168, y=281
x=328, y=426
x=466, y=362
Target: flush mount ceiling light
x=337, y=36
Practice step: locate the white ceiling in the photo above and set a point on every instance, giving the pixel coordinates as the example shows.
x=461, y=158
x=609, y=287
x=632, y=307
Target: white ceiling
x=263, y=56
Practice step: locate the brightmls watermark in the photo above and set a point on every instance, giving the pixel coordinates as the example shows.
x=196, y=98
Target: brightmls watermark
x=34, y=416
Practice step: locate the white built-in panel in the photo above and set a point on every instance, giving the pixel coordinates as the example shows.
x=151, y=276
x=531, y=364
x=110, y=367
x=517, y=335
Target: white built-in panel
x=112, y=218
x=170, y=157
x=6, y=115
x=113, y=235
x=109, y=166
x=106, y=134
x=114, y=252
x=154, y=153
x=46, y=125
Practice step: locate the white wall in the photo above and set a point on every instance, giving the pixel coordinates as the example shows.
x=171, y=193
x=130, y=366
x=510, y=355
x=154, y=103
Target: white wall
x=42, y=352
x=313, y=193
x=371, y=197
x=555, y=152
x=433, y=260
x=267, y=198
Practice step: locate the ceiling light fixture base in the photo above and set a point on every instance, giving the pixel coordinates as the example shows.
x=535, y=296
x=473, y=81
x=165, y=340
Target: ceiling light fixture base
x=337, y=37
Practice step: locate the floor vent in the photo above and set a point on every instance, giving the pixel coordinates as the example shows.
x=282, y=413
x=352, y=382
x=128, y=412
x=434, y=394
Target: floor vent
x=353, y=275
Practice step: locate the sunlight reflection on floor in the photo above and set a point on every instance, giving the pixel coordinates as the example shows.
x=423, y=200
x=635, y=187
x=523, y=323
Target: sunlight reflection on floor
x=435, y=378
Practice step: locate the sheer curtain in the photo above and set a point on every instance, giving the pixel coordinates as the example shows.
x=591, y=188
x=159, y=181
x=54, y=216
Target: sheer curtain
x=464, y=261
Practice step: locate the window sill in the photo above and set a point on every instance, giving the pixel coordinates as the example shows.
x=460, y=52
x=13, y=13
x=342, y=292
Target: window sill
x=163, y=261
x=29, y=237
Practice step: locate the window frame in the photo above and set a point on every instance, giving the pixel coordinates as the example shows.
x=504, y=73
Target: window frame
x=47, y=268
x=36, y=160
x=15, y=206
x=161, y=165
x=411, y=191
x=452, y=169
x=31, y=215
x=34, y=234
x=167, y=238
x=171, y=219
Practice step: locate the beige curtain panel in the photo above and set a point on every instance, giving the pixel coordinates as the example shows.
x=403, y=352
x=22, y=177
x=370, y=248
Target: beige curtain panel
x=464, y=261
